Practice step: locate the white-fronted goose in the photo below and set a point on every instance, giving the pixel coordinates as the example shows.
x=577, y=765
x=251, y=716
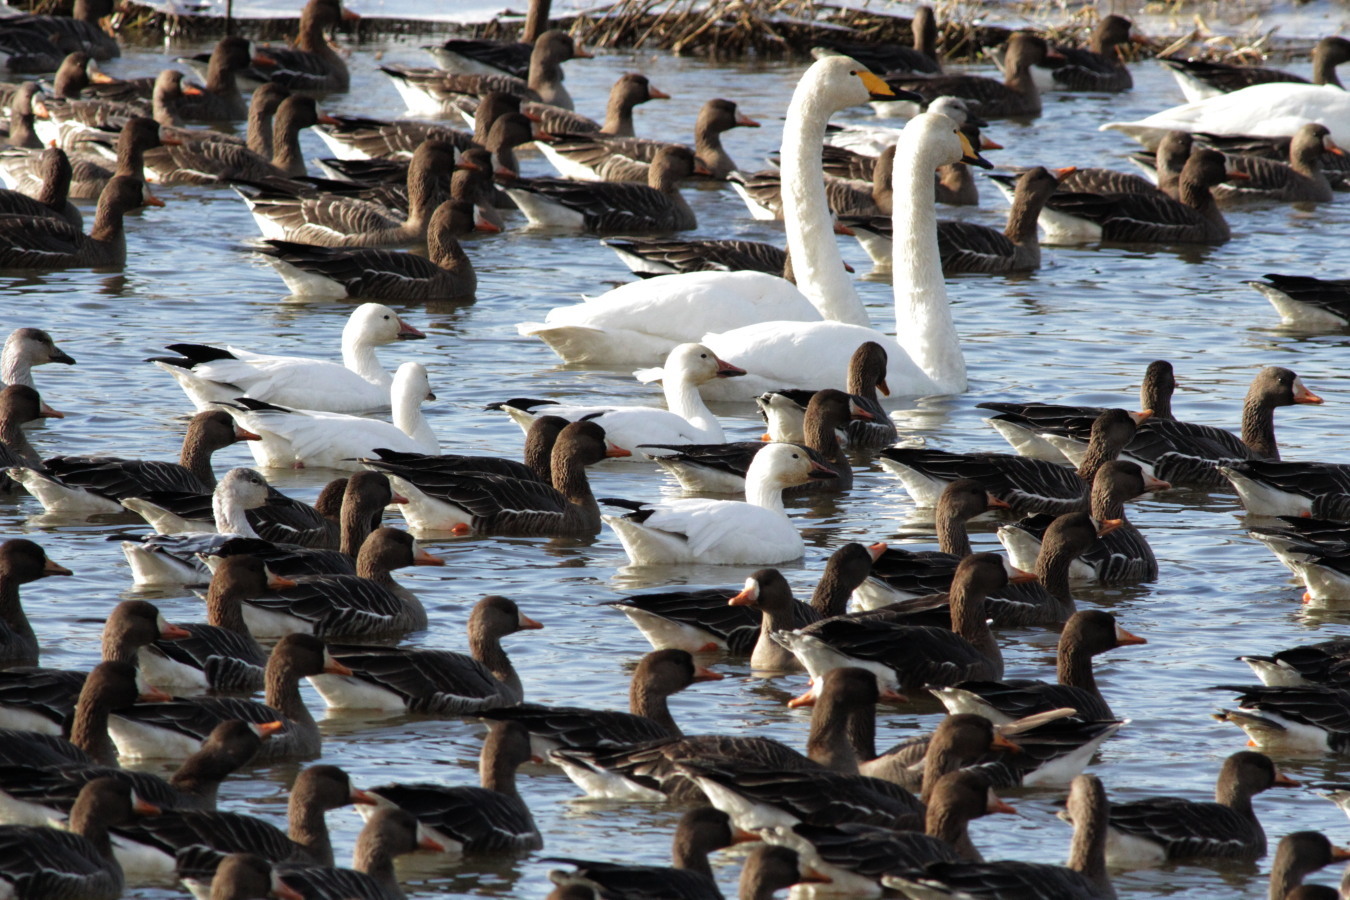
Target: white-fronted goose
x=886, y=58
x=445, y=273
x=311, y=64
x=19, y=405
x=217, y=162
x=354, y=137
x=178, y=727
x=1016, y=96
x=21, y=562
x=210, y=375
x=438, y=682
x=763, y=191
x=1318, y=663
x=82, y=28
x=485, y=503
x=628, y=92
x=1200, y=79
x=1312, y=718
x=26, y=348
x=1306, y=301
x=488, y=56
x=109, y=687
x=602, y=157
x=655, y=256
x=658, y=675
x=1084, y=878
x=723, y=532
x=1154, y=830
x=389, y=833
x=971, y=247
x=1123, y=555
x=609, y=208
x=867, y=376
x=39, y=699
x=1086, y=634
x=239, y=876
x=1273, y=488
x=21, y=135
x=1164, y=165
x=1299, y=854
x=1098, y=66
x=45, y=243
x=1192, y=218
x=98, y=484
x=1030, y=485
x=52, y=199
x=491, y=818
x=77, y=863
x=334, y=220
x=721, y=468
x=1300, y=180
x=540, y=440
x=220, y=100
x=90, y=172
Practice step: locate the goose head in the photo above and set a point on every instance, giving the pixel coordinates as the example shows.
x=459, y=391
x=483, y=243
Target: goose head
x=20, y=404
x=243, y=488
x=375, y=323
x=496, y=616
x=786, y=465
x=696, y=364
x=411, y=386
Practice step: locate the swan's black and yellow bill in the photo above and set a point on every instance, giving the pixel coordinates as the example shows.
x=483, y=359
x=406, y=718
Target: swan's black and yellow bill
x=970, y=156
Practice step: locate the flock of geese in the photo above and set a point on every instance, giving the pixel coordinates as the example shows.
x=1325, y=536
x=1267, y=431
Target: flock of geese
x=295, y=591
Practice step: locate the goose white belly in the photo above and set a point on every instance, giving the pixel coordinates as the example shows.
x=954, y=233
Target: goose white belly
x=426, y=513
x=667, y=634
x=960, y=701
x=701, y=479
x=1261, y=499
x=164, y=521
x=21, y=719
x=58, y=498
x=1326, y=587
x=1297, y=314
x=544, y=212
x=14, y=811
x=420, y=102
x=1062, y=228
x=142, y=863
x=1025, y=441
x=1024, y=548
x=639, y=265
x=628, y=426
x=271, y=228
x=877, y=247
x=922, y=489
x=339, y=148
x=745, y=813
x=1271, y=731
x=203, y=394
x=1060, y=771
x=895, y=109
x=874, y=593
x=1127, y=851
x=163, y=672
x=303, y=283
x=155, y=568
x=601, y=785
x=350, y=692
x=266, y=623
x=566, y=166
x=842, y=881
x=1268, y=110
x=136, y=740
x=758, y=211
x=819, y=658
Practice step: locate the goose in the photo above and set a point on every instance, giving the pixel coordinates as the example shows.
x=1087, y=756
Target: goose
x=883, y=59
x=111, y=686
x=1032, y=485
x=1086, y=634
x=210, y=375
x=21, y=134
x=365, y=605
x=33, y=793
x=1292, y=720
x=658, y=675
x=640, y=323
x=1202, y=79
x=21, y=562
x=82, y=28
x=19, y=405
x=176, y=728
x=76, y=863
x=927, y=358
x=52, y=199
x=335, y=220
x=360, y=138
x=422, y=90
x=907, y=655
x=491, y=818
x=239, y=876
x=90, y=173
x=300, y=437
x=1014, y=97
x=445, y=273
x=220, y=100
x=310, y=64
x=1273, y=488
x=1268, y=110
x=1098, y=66
x=39, y=699
x=147, y=848
x=648, y=257
x=1084, y=878
x=724, y=532
x=1306, y=664
x=471, y=502
x=1299, y=854
x=25, y=348
x=1305, y=301
x=434, y=681
x=1163, y=166
x=99, y=484
x=1300, y=180
x=921, y=764
x=686, y=420
x=470, y=56
x=763, y=191
x=866, y=376
x=601, y=157
x=45, y=243
x=169, y=559
x=1192, y=218
x=721, y=468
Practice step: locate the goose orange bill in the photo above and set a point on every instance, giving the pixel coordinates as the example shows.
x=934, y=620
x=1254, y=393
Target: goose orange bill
x=701, y=168
x=426, y=842
x=144, y=808
x=279, y=582
x=1140, y=416
x=997, y=805
x=170, y=141
x=807, y=699
x=656, y=94
x=267, y=729
x=1124, y=638
x=1155, y=484
x=875, y=550
x=883, y=387
x=727, y=370
x=408, y=333
x=821, y=472
x=1107, y=526
x=988, y=144
x=1331, y=146
x=527, y=623
x=53, y=568
x=1340, y=854
x=580, y=52
x=262, y=59
x=423, y=558
x=705, y=674
x=154, y=695
x=101, y=77
x=858, y=412
x=1018, y=576
x=1064, y=172
x=1302, y=394
x=326, y=119
x=614, y=451
x=191, y=90
x=841, y=228
x=741, y=836
x=483, y=225
x=397, y=499
x=746, y=122
x=1003, y=743
x=283, y=891
x=993, y=502
x=1235, y=175
x=350, y=16
x=887, y=695
x=170, y=632
x=1283, y=780
x=811, y=876
x=242, y=435
x=150, y=199
x=365, y=797
x=746, y=597
x=333, y=667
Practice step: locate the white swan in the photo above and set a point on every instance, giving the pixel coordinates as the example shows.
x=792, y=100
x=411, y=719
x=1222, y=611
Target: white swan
x=303, y=437
x=927, y=357
x=210, y=375
x=1270, y=110
x=640, y=323
x=724, y=532
x=686, y=420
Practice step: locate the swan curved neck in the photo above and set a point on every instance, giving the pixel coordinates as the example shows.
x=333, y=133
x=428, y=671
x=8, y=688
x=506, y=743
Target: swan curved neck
x=817, y=264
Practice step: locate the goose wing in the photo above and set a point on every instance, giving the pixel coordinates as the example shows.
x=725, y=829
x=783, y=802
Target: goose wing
x=414, y=467
x=971, y=247
x=737, y=626
x=481, y=819
x=436, y=681
x=225, y=832
x=49, y=693
x=337, y=604
x=196, y=718
x=1187, y=828
x=28, y=243
x=118, y=479
x=573, y=726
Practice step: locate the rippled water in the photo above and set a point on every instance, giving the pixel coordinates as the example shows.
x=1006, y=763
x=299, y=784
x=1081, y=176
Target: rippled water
x=1081, y=329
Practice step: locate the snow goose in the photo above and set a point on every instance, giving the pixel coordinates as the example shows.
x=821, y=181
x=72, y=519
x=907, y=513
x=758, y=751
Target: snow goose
x=336, y=220
x=724, y=532
x=46, y=243
x=1202, y=79
x=1300, y=180
x=487, y=503
x=1300, y=853
x=640, y=323
x=686, y=420
x=445, y=273
x=721, y=468
x=1307, y=302
x=1268, y=110
x=76, y=863
x=1098, y=66
x=19, y=405
x=1084, y=878
x=1031, y=485
x=658, y=675
x=1016, y=96
x=52, y=199
x=98, y=484
x=170, y=559
x=926, y=358
x=1291, y=720
x=26, y=348
x=297, y=438
x=1086, y=634
x=1157, y=829
x=311, y=64
x=21, y=562
x=177, y=727
x=210, y=375
x=439, y=682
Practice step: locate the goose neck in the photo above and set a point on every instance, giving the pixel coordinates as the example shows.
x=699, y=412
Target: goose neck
x=536, y=21
x=644, y=700
x=107, y=223
x=195, y=456
x=12, y=435
x=1107, y=501
x=828, y=742
x=821, y=436
x=1087, y=850
x=90, y=822
x=446, y=252
x=1022, y=218
x=952, y=535
x=286, y=153
x=570, y=480
x=130, y=155
x=230, y=516
x=683, y=399
x=225, y=607
x=408, y=418
x=356, y=525
x=282, y=682
x=618, y=115
x=1073, y=665
x=308, y=827
x=1258, y=427
x=968, y=621
x=259, y=132
x=358, y=354
x=11, y=612
x=373, y=856
x=89, y=728
x=763, y=491
x=487, y=649
x=830, y=597
x=1052, y=571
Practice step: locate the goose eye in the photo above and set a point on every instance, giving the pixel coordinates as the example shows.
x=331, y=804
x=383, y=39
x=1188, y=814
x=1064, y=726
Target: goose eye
x=703, y=356
x=795, y=456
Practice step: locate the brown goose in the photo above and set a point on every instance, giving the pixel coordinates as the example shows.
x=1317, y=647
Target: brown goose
x=90, y=173
x=656, y=256
x=885, y=59
x=1301, y=180
x=220, y=100
x=21, y=134
x=52, y=200
x=629, y=91
x=762, y=191
x=43, y=243
x=19, y=405
x=1015, y=96
x=600, y=157
x=1165, y=164
x=21, y=562
x=538, y=466
x=1098, y=66
x=1201, y=78
x=109, y=686
x=1299, y=854
x=511, y=57
x=214, y=162
x=311, y=63
x=339, y=221
x=607, y=208
x=445, y=273
x=83, y=28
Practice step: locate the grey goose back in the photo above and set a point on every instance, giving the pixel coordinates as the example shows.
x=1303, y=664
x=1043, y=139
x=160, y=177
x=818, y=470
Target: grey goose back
x=311, y=63
x=47, y=243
